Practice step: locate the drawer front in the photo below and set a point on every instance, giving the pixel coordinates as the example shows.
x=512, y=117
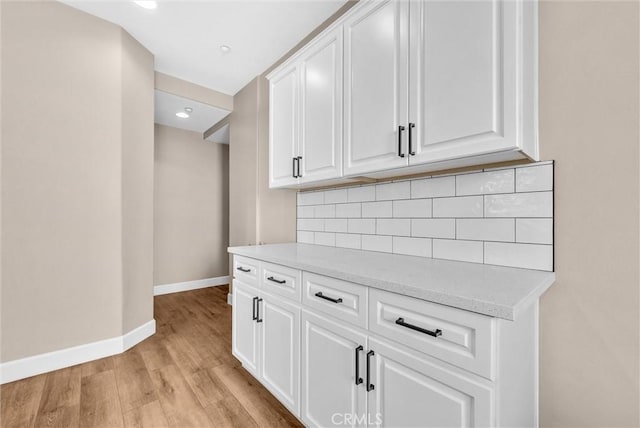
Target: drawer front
x=246, y=270
x=465, y=339
x=343, y=300
x=281, y=280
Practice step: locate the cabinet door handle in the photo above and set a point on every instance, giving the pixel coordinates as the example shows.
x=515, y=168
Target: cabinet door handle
x=358, y=378
x=411, y=126
x=279, y=281
x=299, y=159
x=370, y=386
x=255, y=300
x=435, y=333
x=241, y=269
x=331, y=299
x=294, y=167
x=258, y=319
x=400, y=129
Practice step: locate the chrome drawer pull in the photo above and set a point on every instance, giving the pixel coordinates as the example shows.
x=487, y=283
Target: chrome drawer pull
x=322, y=296
x=241, y=269
x=279, y=281
x=436, y=333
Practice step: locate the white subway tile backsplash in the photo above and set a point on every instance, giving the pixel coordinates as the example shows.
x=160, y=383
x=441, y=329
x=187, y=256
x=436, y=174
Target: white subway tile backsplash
x=393, y=191
x=412, y=208
x=464, y=251
x=377, y=209
x=393, y=226
x=498, y=216
x=534, y=230
x=337, y=196
x=433, y=227
x=412, y=246
x=537, y=204
x=528, y=256
x=311, y=224
x=306, y=211
x=324, y=238
x=348, y=210
x=464, y=206
x=325, y=211
x=335, y=225
x=305, y=237
x=377, y=243
x=433, y=187
x=361, y=194
x=310, y=198
x=486, y=229
x=534, y=178
x=348, y=240
x=362, y=225
x=486, y=183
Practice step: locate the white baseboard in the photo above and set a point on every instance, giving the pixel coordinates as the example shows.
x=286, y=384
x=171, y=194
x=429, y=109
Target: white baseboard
x=43, y=363
x=189, y=285
x=229, y=299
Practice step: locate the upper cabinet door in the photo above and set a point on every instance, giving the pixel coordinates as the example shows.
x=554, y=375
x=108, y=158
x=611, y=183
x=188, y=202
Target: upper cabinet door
x=376, y=87
x=466, y=60
x=321, y=113
x=283, y=128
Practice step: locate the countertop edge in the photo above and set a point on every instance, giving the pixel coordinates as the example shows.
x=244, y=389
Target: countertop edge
x=497, y=310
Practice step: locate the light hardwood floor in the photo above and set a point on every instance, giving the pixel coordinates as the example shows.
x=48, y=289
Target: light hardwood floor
x=183, y=376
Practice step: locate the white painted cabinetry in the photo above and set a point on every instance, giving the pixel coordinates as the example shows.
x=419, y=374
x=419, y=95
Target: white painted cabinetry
x=342, y=354
x=305, y=115
x=418, y=85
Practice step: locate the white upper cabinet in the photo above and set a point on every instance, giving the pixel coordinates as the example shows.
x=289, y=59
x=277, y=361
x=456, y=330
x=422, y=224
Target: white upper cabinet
x=321, y=114
x=376, y=87
x=466, y=79
x=403, y=87
x=305, y=115
x=283, y=129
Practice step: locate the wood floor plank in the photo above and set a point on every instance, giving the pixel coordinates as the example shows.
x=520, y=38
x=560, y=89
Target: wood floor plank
x=178, y=401
x=60, y=402
x=228, y=412
x=99, y=401
x=97, y=366
x=132, y=378
x=20, y=401
x=150, y=415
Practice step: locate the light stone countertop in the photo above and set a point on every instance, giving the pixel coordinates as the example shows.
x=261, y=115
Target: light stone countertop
x=490, y=290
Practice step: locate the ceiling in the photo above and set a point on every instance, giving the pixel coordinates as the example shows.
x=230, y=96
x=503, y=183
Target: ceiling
x=185, y=36
x=200, y=119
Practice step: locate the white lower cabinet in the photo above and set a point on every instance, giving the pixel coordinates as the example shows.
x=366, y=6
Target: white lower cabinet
x=332, y=373
x=266, y=339
x=409, y=363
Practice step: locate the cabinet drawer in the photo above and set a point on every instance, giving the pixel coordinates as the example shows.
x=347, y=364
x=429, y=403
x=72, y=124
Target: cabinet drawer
x=246, y=270
x=344, y=300
x=462, y=338
x=281, y=280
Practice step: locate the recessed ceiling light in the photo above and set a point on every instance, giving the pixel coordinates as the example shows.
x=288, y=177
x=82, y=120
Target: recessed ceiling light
x=188, y=109
x=182, y=115
x=147, y=4
x=225, y=49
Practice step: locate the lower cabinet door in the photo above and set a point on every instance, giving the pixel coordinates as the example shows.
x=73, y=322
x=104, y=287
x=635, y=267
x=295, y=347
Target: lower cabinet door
x=280, y=356
x=331, y=394
x=245, y=331
x=416, y=392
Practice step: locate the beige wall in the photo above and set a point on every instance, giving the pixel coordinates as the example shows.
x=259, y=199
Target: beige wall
x=137, y=183
x=63, y=213
x=191, y=206
x=589, y=320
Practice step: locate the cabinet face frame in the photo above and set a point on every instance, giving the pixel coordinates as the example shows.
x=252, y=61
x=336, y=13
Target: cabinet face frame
x=500, y=132
x=384, y=154
x=281, y=169
x=308, y=81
